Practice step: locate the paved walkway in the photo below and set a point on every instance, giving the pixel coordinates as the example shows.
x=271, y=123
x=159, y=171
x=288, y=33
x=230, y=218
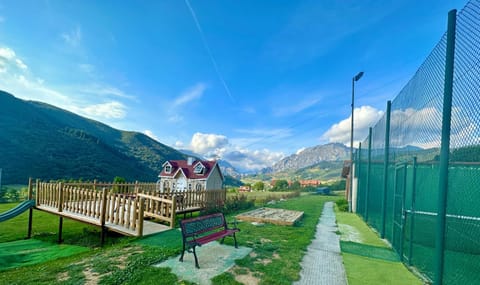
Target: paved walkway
x=323, y=263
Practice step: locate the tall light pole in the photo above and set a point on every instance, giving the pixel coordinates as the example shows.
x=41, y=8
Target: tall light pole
x=354, y=79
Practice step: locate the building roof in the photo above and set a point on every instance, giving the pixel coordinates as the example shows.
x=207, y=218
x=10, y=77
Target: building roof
x=188, y=170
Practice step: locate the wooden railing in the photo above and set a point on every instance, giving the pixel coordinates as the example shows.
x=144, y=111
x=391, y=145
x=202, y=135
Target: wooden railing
x=98, y=207
x=122, y=206
x=159, y=208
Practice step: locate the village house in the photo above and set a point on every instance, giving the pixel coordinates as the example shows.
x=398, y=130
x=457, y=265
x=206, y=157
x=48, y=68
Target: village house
x=314, y=183
x=245, y=188
x=187, y=175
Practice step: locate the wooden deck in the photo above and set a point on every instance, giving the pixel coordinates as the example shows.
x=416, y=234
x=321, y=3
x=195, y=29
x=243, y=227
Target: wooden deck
x=120, y=212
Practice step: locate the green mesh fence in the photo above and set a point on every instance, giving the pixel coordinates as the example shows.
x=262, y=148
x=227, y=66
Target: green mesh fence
x=406, y=210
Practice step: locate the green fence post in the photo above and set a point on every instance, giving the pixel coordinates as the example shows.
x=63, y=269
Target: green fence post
x=385, y=168
x=445, y=147
x=358, y=172
x=412, y=209
x=369, y=162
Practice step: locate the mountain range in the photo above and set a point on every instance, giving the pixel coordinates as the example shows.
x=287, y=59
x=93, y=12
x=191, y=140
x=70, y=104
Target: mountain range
x=42, y=141
x=309, y=157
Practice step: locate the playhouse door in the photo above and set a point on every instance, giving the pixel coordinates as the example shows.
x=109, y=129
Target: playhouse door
x=181, y=184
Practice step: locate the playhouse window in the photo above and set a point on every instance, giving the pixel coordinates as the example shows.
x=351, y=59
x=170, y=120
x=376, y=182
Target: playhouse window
x=198, y=169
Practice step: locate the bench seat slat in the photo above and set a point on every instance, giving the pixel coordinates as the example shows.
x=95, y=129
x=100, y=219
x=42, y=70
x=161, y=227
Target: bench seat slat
x=214, y=236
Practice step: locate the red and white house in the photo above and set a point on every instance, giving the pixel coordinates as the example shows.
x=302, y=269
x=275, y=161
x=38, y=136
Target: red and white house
x=186, y=175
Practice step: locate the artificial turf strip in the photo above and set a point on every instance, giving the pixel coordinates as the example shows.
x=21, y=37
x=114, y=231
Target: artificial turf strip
x=27, y=252
x=171, y=239
x=369, y=251
x=364, y=270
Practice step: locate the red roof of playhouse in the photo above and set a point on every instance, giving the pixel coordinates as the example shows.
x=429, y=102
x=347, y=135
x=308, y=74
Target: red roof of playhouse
x=187, y=169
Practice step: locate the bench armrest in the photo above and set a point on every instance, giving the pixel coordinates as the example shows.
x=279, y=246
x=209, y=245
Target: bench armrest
x=234, y=223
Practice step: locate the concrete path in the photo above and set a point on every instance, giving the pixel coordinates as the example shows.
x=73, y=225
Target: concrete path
x=214, y=258
x=323, y=263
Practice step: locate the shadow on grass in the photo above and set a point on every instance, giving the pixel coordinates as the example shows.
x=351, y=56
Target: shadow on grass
x=369, y=251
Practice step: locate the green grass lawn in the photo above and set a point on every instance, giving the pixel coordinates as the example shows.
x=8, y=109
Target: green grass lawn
x=368, y=259
x=275, y=259
x=261, y=196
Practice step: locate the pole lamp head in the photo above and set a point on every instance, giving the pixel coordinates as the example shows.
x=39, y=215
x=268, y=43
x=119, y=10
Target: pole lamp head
x=358, y=76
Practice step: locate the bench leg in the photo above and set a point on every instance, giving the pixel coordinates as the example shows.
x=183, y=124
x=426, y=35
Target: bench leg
x=221, y=242
x=183, y=252
x=196, y=260
x=235, y=239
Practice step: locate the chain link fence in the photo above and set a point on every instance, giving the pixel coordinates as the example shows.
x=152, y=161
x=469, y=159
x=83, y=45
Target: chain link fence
x=398, y=166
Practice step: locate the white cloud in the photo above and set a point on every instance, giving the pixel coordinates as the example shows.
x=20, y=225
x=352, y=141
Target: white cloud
x=300, y=150
x=106, y=90
x=109, y=110
x=191, y=94
x=251, y=160
x=151, y=134
x=179, y=144
x=87, y=68
x=7, y=53
x=2, y=19
x=364, y=117
x=204, y=143
x=296, y=108
x=176, y=118
x=214, y=146
x=73, y=38
x=8, y=58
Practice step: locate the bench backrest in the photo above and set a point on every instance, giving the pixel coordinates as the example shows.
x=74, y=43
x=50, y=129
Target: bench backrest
x=202, y=224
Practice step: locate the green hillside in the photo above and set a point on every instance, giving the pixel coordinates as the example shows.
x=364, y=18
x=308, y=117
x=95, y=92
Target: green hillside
x=41, y=141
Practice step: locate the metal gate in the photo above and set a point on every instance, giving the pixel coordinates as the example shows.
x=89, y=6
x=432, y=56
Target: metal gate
x=399, y=208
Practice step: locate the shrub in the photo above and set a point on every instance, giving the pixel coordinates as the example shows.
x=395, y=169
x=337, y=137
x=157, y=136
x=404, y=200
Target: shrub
x=342, y=205
x=237, y=203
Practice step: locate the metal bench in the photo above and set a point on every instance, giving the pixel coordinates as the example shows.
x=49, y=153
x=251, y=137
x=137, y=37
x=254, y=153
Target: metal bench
x=204, y=229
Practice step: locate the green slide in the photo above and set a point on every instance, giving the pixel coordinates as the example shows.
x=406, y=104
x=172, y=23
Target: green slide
x=22, y=207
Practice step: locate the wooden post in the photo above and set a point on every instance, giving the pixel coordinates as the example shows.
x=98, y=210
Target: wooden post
x=136, y=187
x=134, y=224
x=60, y=227
x=173, y=212
x=37, y=196
x=104, y=207
x=94, y=184
x=60, y=197
x=102, y=215
x=30, y=213
x=140, y=217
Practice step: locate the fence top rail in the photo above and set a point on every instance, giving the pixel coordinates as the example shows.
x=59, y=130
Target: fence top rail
x=155, y=198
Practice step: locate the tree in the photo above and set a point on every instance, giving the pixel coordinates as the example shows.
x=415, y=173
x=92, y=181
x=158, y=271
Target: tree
x=258, y=186
x=280, y=185
x=296, y=185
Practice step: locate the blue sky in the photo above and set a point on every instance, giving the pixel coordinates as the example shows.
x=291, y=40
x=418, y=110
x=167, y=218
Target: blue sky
x=246, y=81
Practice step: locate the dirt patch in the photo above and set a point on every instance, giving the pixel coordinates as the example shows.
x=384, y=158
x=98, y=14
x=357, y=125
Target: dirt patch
x=275, y=256
x=265, y=240
x=247, y=278
x=349, y=233
x=121, y=261
x=63, y=276
x=253, y=254
x=264, y=261
x=91, y=278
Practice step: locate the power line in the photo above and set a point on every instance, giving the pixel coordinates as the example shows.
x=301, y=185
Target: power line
x=209, y=51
